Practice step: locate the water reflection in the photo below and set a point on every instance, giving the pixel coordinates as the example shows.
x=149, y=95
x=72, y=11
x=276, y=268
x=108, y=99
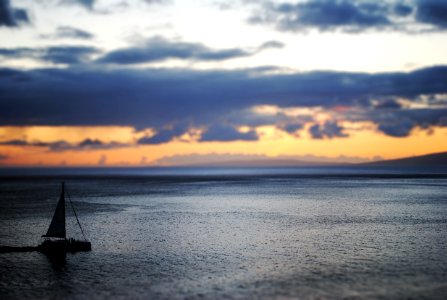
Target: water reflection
x=309, y=237
x=58, y=261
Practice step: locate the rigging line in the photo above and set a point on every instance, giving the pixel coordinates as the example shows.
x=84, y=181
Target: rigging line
x=72, y=206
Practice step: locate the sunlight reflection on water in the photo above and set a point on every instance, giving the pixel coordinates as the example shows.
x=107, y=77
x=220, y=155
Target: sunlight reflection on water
x=262, y=237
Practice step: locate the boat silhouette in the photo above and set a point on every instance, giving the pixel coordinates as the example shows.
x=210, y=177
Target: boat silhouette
x=55, y=240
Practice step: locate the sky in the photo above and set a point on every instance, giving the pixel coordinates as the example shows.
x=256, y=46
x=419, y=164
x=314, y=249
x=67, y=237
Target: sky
x=173, y=82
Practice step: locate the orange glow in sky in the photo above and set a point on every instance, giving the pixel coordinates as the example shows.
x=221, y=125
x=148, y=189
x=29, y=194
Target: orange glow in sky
x=364, y=144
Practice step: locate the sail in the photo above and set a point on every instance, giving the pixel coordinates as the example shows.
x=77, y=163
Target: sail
x=57, y=226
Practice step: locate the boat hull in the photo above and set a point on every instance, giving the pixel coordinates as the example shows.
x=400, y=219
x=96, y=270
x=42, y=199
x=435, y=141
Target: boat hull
x=63, y=246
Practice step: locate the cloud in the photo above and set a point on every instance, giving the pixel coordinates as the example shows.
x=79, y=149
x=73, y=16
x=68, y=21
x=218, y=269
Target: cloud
x=88, y=4
x=156, y=1
x=3, y=156
x=173, y=101
x=164, y=135
x=89, y=144
x=68, y=54
x=399, y=123
x=388, y=104
x=327, y=130
x=225, y=133
x=159, y=49
x=397, y=128
x=55, y=54
x=291, y=128
x=60, y=146
x=403, y=10
x=16, y=52
x=354, y=15
x=107, y=7
x=22, y=143
x=271, y=45
x=325, y=15
x=432, y=12
x=68, y=32
x=12, y=17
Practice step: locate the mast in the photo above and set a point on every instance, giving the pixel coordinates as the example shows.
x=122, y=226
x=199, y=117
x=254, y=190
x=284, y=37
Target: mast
x=57, y=226
x=76, y=215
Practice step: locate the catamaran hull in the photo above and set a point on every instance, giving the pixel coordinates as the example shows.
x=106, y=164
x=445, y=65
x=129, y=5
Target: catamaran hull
x=63, y=246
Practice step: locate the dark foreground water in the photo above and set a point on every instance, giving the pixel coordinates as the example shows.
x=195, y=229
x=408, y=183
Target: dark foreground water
x=253, y=234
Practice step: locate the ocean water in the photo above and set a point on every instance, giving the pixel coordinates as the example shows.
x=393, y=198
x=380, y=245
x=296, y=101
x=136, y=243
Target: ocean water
x=237, y=234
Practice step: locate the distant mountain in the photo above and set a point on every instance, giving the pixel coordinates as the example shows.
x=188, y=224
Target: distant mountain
x=429, y=160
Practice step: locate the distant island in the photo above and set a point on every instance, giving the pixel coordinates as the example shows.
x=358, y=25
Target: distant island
x=433, y=161
x=428, y=160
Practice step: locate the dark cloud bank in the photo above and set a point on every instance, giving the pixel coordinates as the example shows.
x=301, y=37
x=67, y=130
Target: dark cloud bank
x=174, y=100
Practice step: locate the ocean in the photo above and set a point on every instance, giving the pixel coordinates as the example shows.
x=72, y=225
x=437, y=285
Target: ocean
x=259, y=233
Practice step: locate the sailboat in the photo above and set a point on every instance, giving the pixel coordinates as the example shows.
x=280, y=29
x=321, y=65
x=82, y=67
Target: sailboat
x=55, y=240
